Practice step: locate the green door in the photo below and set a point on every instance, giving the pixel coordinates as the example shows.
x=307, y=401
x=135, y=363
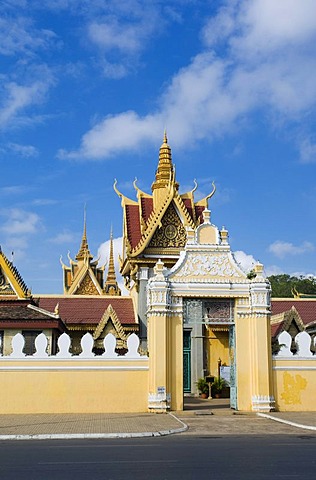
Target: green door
x=186, y=361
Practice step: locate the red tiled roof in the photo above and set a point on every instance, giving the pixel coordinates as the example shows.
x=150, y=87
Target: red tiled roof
x=133, y=224
x=89, y=310
x=276, y=328
x=147, y=205
x=188, y=206
x=306, y=308
x=17, y=314
x=199, y=212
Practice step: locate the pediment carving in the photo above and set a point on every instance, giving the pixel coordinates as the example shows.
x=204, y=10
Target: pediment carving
x=5, y=285
x=171, y=233
x=86, y=287
x=210, y=266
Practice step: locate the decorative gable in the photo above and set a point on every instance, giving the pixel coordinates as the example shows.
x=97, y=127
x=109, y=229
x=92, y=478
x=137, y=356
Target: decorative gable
x=207, y=257
x=83, y=276
x=110, y=323
x=11, y=282
x=207, y=266
x=5, y=285
x=171, y=232
x=86, y=286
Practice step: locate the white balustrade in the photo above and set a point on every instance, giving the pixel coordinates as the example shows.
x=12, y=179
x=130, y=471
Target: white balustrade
x=285, y=342
x=64, y=344
x=109, y=343
x=303, y=342
x=64, y=347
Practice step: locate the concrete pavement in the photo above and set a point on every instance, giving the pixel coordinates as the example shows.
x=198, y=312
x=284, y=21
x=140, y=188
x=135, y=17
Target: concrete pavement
x=200, y=417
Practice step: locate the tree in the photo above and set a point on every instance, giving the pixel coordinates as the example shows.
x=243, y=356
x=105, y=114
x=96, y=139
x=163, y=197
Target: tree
x=284, y=285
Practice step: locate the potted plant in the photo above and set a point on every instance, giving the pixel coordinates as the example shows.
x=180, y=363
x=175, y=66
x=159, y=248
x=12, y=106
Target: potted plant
x=217, y=386
x=202, y=387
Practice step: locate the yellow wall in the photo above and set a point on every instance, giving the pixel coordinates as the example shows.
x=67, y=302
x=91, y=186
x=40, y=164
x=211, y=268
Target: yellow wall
x=294, y=385
x=217, y=347
x=165, y=344
x=253, y=360
x=73, y=386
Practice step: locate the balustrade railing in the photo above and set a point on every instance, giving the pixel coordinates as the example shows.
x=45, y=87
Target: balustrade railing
x=64, y=347
x=305, y=346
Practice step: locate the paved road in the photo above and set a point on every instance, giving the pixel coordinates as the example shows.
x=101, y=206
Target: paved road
x=216, y=457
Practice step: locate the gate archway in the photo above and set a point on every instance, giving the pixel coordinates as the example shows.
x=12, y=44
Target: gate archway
x=205, y=283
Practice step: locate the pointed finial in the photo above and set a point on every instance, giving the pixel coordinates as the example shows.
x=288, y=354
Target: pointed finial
x=165, y=170
x=111, y=287
x=84, y=252
x=165, y=138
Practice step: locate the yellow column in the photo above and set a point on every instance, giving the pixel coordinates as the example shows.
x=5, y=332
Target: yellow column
x=165, y=346
x=253, y=349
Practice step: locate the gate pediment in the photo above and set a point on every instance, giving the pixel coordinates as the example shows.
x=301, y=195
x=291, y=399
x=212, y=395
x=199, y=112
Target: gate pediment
x=207, y=265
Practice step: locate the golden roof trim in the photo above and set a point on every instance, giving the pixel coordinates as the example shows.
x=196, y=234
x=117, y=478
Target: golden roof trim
x=14, y=277
x=204, y=201
x=124, y=200
x=110, y=313
x=152, y=223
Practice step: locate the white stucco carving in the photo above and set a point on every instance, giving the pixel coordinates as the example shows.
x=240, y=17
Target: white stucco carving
x=211, y=265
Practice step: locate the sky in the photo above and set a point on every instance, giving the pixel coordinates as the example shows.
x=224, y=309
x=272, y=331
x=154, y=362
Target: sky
x=87, y=88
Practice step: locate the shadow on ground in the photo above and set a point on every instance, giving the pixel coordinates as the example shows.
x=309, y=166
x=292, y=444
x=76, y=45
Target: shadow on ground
x=197, y=403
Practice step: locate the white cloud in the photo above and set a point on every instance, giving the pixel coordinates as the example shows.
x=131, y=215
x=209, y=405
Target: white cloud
x=282, y=249
x=43, y=202
x=116, y=35
x=104, y=252
x=113, y=70
x=15, y=98
x=269, y=24
x=17, y=228
x=113, y=134
x=247, y=262
x=307, y=151
x=25, y=151
x=18, y=35
x=209, y=96
x=13, y=190
x=20, y=222
x=63, y=238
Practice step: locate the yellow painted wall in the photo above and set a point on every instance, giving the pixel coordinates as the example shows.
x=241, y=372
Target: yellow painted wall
x=294, y=387
x=243, y=360
x=253, y=359
x=165, y=344
x=217, y=347
x=73, y=386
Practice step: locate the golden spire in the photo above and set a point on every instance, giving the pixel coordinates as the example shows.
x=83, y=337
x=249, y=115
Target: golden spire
x=165, y=170
x=111, y=287
x=84, y=251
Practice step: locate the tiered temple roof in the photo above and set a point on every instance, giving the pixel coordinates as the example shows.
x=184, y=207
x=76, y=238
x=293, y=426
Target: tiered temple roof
x=85, y=277
x=155, y=224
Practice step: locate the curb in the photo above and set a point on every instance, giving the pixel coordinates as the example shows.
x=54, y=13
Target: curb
x=76, y=436
x=287, y=422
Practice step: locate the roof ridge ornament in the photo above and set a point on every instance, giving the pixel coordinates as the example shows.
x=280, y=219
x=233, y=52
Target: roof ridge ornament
x=165, y=172
x=138, y=190
x=111, y=286
x=84, y=252
x=204, y=201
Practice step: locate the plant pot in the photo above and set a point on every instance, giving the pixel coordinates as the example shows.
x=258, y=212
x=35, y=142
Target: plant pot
x=204, y=395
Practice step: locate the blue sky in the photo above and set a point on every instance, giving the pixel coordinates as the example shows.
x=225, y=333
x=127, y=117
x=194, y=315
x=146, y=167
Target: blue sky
x=87, y=88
